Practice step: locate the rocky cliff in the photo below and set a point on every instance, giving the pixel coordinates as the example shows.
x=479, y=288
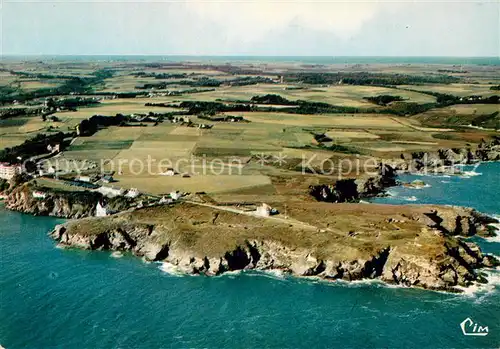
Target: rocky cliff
x=417, y=246
x=440, y=160
x=40, y=201
x=352, y=190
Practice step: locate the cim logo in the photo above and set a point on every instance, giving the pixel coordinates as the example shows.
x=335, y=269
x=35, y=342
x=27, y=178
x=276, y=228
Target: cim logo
x=469, y=328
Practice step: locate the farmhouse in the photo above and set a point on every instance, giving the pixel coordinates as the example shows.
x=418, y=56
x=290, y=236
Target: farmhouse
x=54, y=148
x=100, y=211
x=39, y=194
x=165, y=200
x=132, y=193
x=176, y=195
x=7, y=171
x=110, y=192
x=168, y=172
x=264, y=210
x=85, y=179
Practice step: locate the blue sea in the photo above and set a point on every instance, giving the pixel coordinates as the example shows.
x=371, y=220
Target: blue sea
x=56, y=298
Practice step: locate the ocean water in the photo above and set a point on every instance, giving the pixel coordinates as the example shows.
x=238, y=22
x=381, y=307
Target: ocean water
x=479, y=188
x=56, y=298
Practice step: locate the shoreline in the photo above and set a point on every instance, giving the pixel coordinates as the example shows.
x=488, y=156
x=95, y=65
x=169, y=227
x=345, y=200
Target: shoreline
x=308, y=272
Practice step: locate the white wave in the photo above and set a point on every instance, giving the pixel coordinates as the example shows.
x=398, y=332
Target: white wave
x=494, y=238
x=275, y=274
x=478, y=289
x=446, y=182
x=419, y=187
x=391, y=193
x=411, y=198
x=117, y=254
x=170, y=269
x=469, y=174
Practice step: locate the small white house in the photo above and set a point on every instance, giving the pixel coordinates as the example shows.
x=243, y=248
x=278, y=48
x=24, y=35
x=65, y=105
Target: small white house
x=84, y=179
x=39, y=194
x=165, y=200
x=133, y=193
x=264, y=210
x=176, y=195
x=168, y=172
x=100, y=211
x=110, y=192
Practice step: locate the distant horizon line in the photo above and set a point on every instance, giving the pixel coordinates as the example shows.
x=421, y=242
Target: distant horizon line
x=228, y=55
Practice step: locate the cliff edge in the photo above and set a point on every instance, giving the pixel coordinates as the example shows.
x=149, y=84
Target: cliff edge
x=419, y=246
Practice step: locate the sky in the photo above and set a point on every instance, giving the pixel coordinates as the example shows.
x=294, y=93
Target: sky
x=251, y=27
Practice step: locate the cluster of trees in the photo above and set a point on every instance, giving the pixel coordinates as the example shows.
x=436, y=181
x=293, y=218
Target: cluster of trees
x=91, y=125
x=160, y=75
x=495, y=88
x=364, y=78
x=72, y=84
x=452, y=71
x=71, y=103
x=383, y=99
x=488, y=120
x=271, y=99
x=202, y=82
x=13, y=112
x=251, y=80
x=32, y=147
x=212, y=108
x=307, y=107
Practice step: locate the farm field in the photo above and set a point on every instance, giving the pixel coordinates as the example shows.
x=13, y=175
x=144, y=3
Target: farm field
x=341, y=95
x=460, y=90
x=264, y=154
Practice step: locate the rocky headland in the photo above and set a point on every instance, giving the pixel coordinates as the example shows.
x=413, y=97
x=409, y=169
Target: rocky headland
x=442, y=160
x=40, y=201
x=418, y=246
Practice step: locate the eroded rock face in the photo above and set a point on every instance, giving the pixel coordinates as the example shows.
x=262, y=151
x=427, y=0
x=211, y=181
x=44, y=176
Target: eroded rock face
x=80, y=205
x=443, y=264
x=352, y=190
x=62, y=204
x=438, y=161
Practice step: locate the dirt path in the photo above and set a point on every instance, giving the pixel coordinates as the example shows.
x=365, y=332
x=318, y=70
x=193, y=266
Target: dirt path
x=289, y=221
x=418, y=128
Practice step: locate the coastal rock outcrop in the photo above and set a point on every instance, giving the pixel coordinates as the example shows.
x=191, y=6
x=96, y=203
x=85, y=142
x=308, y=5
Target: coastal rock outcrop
x=57, y=203
x=417, y=248
x=352, y=190
x=440, y=161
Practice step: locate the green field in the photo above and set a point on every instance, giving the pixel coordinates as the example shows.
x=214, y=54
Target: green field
x=371, y=132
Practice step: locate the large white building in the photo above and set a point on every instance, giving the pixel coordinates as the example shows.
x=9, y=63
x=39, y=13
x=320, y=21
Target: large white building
x=7, y=171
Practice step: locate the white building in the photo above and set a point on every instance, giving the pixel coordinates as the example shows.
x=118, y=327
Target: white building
x=100, y=211
x=39, y=194
x=168, y=172
x=54, y=148
x=175, y=195
x=165, y=200
x=84, y=179
x=8, y=171
x=110, y=192
x=264, y=210
x=133, y=193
